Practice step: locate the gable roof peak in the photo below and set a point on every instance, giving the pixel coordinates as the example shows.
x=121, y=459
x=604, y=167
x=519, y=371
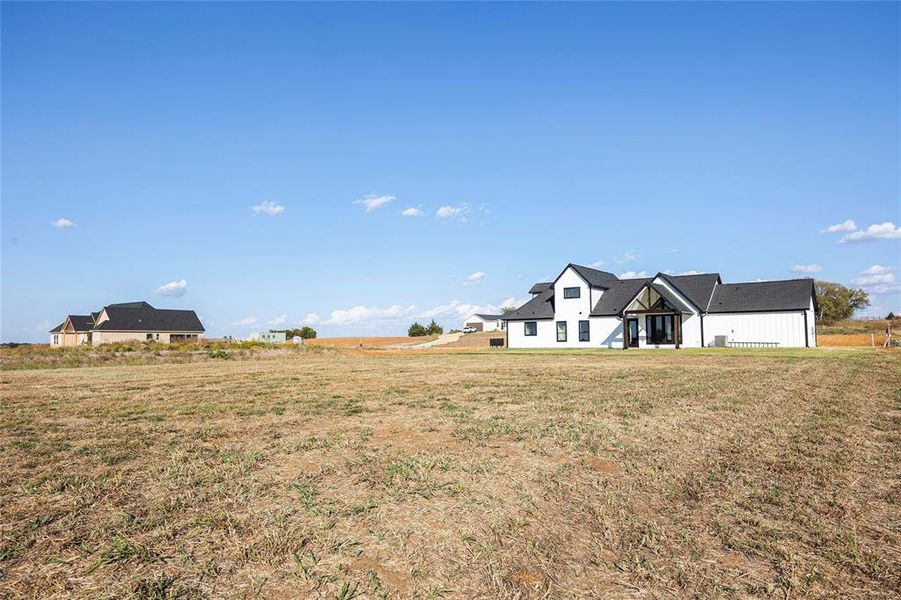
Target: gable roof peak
x=138, y=304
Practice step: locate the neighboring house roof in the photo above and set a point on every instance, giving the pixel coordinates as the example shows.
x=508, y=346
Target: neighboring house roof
x=594, y=277
x=792, y=294
x=487, y=317
x=82, y=322
x=140, y=316
x=540, y=287
x=539, y=307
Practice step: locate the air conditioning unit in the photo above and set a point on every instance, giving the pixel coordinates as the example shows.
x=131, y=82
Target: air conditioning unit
x=720, y=341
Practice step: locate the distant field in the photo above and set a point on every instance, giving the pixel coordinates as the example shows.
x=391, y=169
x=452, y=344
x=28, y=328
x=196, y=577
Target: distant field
x=368, y=342
x=483, y=474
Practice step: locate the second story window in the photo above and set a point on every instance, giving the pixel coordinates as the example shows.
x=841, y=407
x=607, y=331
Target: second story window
x=572, y=292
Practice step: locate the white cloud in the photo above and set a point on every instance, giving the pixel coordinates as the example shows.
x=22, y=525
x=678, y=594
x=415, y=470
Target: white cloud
x=457, y=212
x=634, y=275
x=808, y=269
x=413, y=211
x=372, y=201
x=63, y=224
x=310, y=319
x=474, y=278
x=267, y=208
x=246, y=322
x=279, y=320
x=175, y=289
x=848, y=225
x=628, y=257
x=877, y=270
x=885, y=289
x=597, y=264
x=448, y=211
x=357, y=314
x=879, y=231
x=875, y=275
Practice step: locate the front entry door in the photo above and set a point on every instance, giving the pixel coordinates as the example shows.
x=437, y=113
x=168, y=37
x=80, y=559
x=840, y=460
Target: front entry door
x=633, y=333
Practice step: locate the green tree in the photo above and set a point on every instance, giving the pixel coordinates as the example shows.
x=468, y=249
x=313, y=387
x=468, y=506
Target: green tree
x=416, y=330
x=306, y=332
x=506, y=309
x=890, y=316
x=836, y=302
x=434, y=328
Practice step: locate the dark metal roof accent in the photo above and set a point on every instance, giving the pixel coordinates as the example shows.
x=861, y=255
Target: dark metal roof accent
x=761, y=296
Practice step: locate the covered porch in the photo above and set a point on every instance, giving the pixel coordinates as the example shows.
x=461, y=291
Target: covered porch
x=653, y=319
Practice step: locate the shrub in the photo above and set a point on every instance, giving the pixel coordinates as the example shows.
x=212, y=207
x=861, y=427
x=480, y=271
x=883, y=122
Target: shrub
x=434, y=328
x=417, y=330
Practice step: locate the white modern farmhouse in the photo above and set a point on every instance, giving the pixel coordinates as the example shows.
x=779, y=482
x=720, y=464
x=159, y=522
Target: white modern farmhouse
x=129, y=321
x=585, y=307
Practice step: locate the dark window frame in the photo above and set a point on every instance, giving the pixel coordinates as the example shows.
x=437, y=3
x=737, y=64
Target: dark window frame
x=587, y=332
x=653, y=336
x=565, y=332
x=568, y=290
x=525, y=328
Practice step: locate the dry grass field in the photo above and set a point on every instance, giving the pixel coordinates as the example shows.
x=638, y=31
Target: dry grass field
x=368, y=342
x=347, y=474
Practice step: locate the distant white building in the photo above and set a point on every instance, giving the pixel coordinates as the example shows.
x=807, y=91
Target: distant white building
x=584, y=308
x=483, y=322
x=273, y=337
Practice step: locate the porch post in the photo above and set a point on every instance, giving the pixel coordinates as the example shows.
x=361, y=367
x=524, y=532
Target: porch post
x=677, y=325
x=625, y=331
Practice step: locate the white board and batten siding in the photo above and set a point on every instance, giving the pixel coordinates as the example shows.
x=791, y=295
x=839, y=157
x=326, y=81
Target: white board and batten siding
x=786, y=329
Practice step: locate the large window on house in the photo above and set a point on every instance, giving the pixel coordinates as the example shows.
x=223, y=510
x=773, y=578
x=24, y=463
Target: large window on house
x=530, y=328
x=660, y=329
x=561, y=331
x=584, y=331
x=572, y=292
x=55, y=338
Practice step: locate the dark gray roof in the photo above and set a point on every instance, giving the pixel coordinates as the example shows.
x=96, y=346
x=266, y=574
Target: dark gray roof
x=539, y=307
x=140, y=316
x=488, y=317
x=671, y=298
x=540, y=287
x=594, y=277
x=58, y=328
x=792, y=294
x=617, y=296
x=697, y=288
x=82, y=322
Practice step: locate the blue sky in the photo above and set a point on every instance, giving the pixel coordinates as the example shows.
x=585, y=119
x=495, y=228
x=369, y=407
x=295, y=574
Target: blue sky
x=644, y=137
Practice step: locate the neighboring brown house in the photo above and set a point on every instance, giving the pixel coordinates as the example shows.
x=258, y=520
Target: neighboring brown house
x=129, y=321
